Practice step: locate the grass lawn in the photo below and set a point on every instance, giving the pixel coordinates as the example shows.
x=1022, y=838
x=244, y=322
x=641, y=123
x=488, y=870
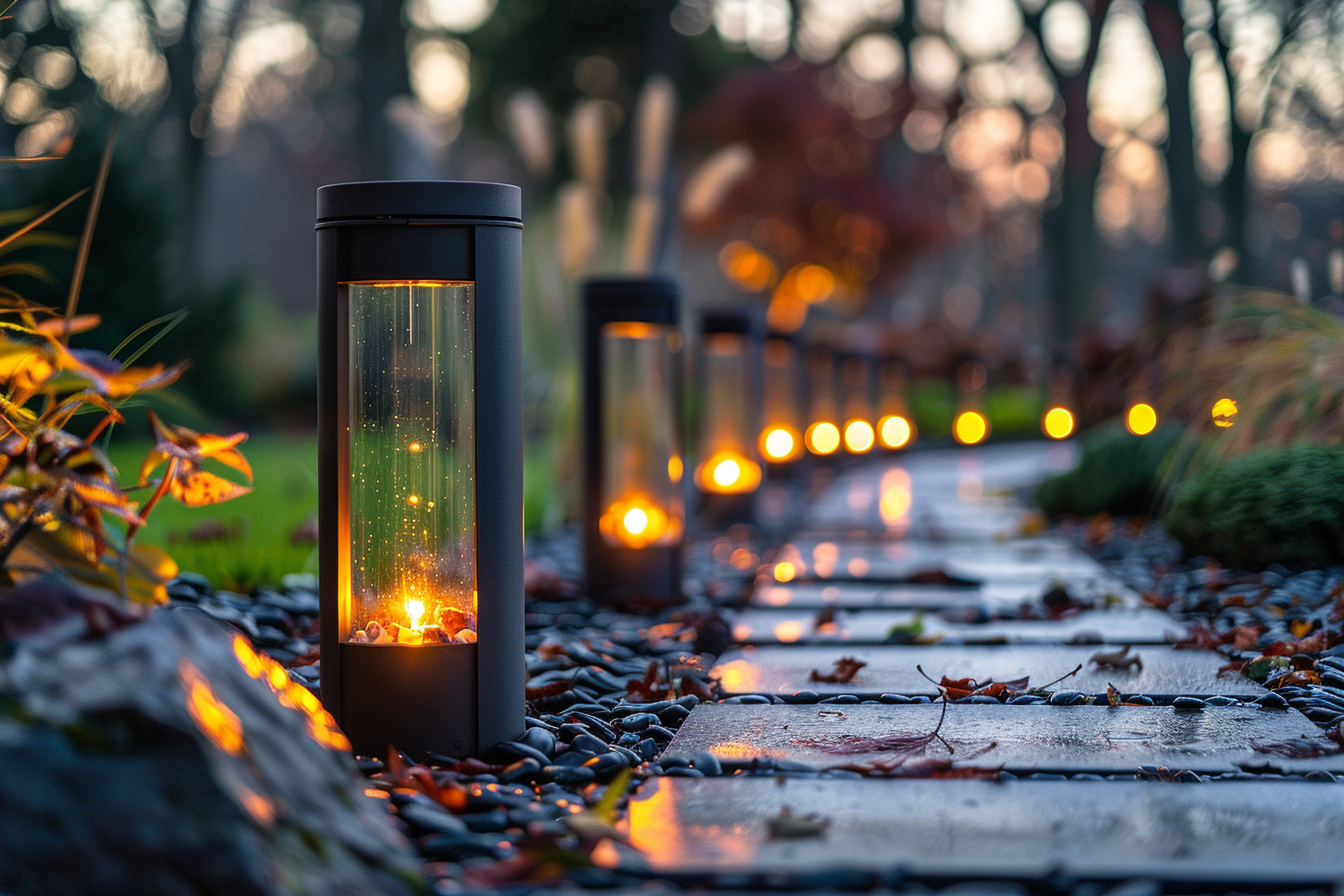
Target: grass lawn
x=245, y=542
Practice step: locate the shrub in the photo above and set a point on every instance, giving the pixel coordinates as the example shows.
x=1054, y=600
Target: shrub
x=1279, y=506
x=1118, y=473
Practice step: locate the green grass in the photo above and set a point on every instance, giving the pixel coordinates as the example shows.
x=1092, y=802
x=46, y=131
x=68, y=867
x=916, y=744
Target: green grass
x=255, y=547
x=258, y=548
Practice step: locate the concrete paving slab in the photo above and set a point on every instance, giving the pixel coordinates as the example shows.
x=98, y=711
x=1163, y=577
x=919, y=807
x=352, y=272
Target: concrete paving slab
x=816, y=595
x=1233, y=832
x=1018, y=739
x=1015, y=560
x=1119, y=626
x=785, y=670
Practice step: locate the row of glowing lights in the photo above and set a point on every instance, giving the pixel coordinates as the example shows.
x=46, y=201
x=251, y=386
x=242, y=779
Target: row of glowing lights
x=642, y=523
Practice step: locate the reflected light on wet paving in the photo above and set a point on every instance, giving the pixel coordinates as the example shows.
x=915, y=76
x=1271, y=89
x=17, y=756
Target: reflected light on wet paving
x=738, y=676
x=897, y=497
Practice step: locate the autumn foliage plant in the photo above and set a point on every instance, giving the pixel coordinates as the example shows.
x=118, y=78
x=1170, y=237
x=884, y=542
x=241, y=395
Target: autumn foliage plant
x=63, y=511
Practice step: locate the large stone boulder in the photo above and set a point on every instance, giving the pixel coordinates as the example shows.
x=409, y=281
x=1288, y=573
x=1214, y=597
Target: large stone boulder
x=171, y=758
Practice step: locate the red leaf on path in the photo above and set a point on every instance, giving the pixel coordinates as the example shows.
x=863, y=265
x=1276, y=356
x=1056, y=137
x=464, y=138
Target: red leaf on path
x=1233, y=669
x=851, y=745
x=845, y=669
x=1202, y=637
x=1297, y=747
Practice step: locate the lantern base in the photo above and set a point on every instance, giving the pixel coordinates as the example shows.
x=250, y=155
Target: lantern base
x=721, y=511
x=644, y=577
x=418, y=698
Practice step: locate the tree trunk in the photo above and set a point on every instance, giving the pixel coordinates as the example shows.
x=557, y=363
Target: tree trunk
x=1234, y=187
x=1070, y=228
x=1168, y=33
x=383, y=75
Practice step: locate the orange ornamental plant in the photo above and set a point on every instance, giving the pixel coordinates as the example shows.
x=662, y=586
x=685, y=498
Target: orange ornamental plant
x=62, y=510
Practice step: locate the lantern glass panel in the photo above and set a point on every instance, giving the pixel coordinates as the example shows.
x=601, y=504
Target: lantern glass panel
x=412, y=497
x=781, y=437
x=727, y=449
x=642, y=469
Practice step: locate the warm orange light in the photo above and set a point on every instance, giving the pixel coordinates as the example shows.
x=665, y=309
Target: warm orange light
x=780, y=443
x=823, y=437
x=674, y=468
x=215, y=720
x=415, y=447
x=1057, y=423
x=413, y=500
x=970, y=427
x=748, y=268
x=415, y=609
x=858, y=436
x=897, y=496
x=1141, y=419
x=813, y=283
x=894, y=431
x=728, y=472
x=1224, y=413
x=292, y=695
x=785, y=572
x=636, y=522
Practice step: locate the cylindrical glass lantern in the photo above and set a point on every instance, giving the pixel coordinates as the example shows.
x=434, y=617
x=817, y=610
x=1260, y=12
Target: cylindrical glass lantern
x=781, y=439
x=859, y=434
x=420, y=543
x=1057, y=421
x=632, y=444
x=823, y=430
x=895, y=425
x=971, y=425
x=727, y=463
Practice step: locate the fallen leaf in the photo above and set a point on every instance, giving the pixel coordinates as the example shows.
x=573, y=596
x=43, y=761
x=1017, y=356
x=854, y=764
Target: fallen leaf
x=1119, y=660
x=786, y=826
x=845, y=669
x=1297, y=747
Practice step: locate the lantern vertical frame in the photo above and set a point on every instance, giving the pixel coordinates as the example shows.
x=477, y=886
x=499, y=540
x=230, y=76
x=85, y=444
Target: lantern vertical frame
x=409, y=695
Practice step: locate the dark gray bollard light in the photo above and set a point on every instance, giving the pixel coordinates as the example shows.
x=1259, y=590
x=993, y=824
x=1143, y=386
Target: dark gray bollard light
x=634, y=509
x=420, y=463
x=727, y=468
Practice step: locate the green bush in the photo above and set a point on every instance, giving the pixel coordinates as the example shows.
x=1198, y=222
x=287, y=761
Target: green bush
x=1118, y=473
x=1281, y=506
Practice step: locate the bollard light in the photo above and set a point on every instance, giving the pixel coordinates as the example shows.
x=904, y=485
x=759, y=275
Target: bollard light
x=823, y=431
x=730, y=408
x=895, y=426
x=781, y=439
x=420, y=464
x=859, y=435
x=1058, y=421
x=634, y=516
x=971, y=426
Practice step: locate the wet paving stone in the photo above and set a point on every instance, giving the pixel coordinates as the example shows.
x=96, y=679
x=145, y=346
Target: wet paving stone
x=1018, y=739
x=1121, y=626
x=1010, y=561
x=1240, y=832
x=856, y=595
x=892, y=670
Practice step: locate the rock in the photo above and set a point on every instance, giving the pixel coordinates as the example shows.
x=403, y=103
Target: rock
x=189, y=773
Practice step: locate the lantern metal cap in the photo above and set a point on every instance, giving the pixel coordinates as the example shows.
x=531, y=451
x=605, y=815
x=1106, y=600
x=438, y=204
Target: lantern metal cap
x=724, y=320
x=408, y=200
x=653, y=298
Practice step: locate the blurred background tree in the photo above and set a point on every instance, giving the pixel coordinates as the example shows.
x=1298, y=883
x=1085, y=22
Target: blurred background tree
x=1006, y=177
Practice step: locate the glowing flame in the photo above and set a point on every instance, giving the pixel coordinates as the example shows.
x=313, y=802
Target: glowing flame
x=784, y=572
x=637, y=522
x=970, y=427
x=728, y=472
x=415, y=447
x=823, y=438
x=780, y=443
x=1141, y=419
x=674, y=468
x=895, y=431
x=415, y=609
x=215, y=720
x=859, y=436
x=1224, y=413
x=1057, y=423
